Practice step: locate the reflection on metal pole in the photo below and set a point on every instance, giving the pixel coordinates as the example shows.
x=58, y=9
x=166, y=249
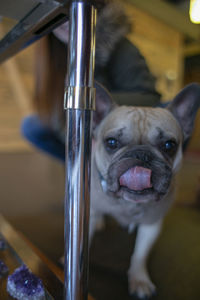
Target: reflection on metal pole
x=79, y=102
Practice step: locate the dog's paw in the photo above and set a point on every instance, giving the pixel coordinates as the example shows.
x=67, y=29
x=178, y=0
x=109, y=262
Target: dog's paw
x=140, y=285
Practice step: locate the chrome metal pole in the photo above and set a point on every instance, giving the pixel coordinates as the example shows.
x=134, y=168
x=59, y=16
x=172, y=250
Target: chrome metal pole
x=79, y=102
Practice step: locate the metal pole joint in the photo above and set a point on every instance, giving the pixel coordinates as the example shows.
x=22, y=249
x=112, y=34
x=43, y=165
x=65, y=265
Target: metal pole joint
x=79, y=98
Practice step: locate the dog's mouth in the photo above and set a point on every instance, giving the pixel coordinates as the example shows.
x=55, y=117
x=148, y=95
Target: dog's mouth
x=137, y=179
x=135, y=184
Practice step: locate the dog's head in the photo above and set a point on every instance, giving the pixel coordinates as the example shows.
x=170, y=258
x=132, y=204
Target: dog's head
x=138, y=149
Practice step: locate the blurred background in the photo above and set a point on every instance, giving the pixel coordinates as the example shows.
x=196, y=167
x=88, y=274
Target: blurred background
x=32, y=183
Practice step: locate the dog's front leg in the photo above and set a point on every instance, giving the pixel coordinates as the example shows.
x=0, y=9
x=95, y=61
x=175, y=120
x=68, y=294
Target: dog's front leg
x=139, y=281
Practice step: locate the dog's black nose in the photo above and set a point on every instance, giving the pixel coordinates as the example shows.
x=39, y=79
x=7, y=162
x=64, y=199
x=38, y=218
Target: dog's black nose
x=143, y=155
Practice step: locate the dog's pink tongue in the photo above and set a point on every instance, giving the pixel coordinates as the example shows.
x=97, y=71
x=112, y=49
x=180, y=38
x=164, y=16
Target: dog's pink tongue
x=136, y=178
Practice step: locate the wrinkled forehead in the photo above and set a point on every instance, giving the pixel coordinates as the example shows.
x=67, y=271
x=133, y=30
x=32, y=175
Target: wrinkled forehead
x=146, y=123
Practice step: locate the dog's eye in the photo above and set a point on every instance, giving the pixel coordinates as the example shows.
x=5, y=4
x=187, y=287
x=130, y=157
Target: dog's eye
x=111, y=143
x=169, y=147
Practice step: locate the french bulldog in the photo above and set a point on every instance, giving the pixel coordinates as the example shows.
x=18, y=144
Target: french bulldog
x=137, y=152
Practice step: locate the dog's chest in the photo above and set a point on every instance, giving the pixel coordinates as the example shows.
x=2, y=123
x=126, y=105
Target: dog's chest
x=125, y=213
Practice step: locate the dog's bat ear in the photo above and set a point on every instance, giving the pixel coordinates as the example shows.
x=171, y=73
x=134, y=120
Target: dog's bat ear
x=185, y=106
x=104, y=104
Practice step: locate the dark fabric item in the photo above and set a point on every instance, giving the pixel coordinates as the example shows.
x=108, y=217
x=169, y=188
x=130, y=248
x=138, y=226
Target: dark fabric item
x=127, y=72
x=136, y=98
x=42, y=137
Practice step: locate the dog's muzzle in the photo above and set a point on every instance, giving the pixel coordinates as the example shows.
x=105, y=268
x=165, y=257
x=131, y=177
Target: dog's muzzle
x=139, y=173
